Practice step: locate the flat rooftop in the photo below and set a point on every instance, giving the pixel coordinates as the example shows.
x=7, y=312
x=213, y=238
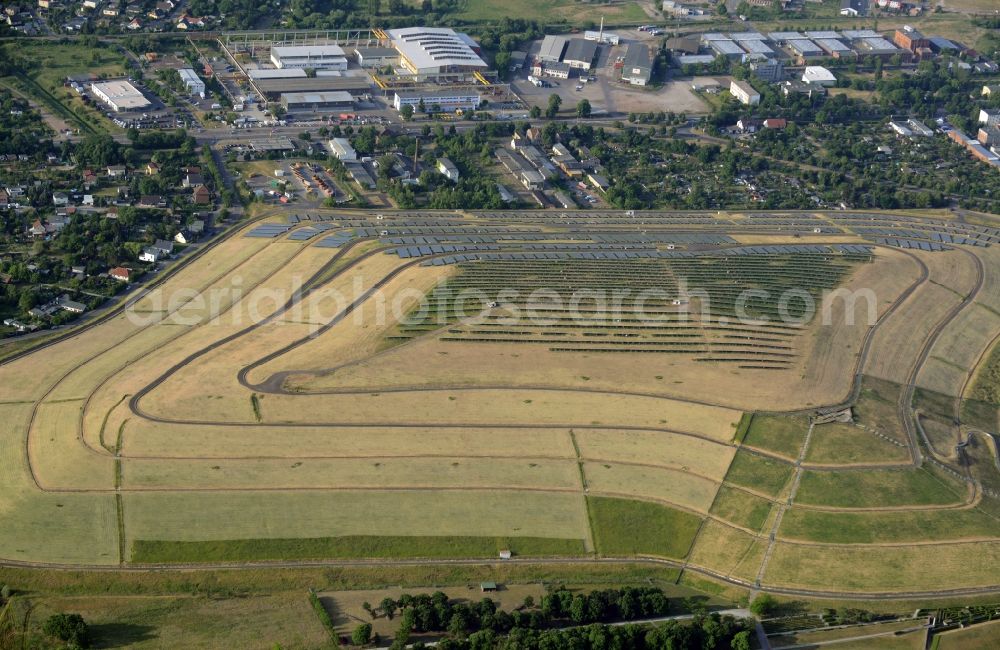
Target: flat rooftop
x=332, y=97
x=307, y=51
x=123, y=93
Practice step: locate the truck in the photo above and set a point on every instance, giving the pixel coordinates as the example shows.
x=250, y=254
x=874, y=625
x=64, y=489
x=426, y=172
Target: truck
x=535, y=80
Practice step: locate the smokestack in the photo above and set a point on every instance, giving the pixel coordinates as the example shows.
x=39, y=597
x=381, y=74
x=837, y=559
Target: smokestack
x=600, y=35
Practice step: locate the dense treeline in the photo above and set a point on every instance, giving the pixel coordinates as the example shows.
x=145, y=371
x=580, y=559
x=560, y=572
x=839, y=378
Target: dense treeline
x=546, y=625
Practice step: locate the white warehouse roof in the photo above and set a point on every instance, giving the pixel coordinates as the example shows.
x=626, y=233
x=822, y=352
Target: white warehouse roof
x=434, y=47
x=306, y=51
x=279, y=73
x=188, y=75
x=817, y=74
x=121, y=94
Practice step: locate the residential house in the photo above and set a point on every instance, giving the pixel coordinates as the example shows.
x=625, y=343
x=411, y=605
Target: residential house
x=89, y=177
x=775, y=123
x=201, y=195
x=448, y=169
x=4, y=198
x=192, y=180
x=88, y=199
x=150, y=254
x=38, y=229
x=152, y=169
x=120, y=273
x=117, y=171
x=73, y=306
x=60, y=198
x=152, y=201
x=166, y=248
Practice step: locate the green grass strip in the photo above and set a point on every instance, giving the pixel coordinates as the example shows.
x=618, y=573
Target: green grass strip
x=350, y=546
x=628, y=527
x=324, y=618
x=741, y=429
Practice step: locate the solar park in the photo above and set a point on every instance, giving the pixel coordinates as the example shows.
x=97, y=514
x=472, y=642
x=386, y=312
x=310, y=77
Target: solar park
x=396, y=385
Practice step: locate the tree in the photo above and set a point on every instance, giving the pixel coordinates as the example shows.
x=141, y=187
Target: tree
x=763, y=605
x=421, y=106
x=583, y=108
x=741, y=641
x=305, y=135
x=368, y=608
x=406, y=112
x=555, y=102
x=362, y=634
x=388, y=607
x=535, y=112
x=70, y=628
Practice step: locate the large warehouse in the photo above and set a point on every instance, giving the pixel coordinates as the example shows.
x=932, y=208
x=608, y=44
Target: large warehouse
x=443, y=99
x=435, y=50
x=327, y=57
x=328, y=101
x=120, y=95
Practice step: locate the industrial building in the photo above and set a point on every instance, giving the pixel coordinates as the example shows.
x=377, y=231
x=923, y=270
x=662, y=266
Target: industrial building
x=552, y=48
x=910, y=39
x=637, y=68
x=268, y=73
x=274, y=88
x=817, y=74
x=448, y=169
x=602, y=37
x=580, y=53
x=120, y=95
x=194, y=85
x=327, y=57
x=726, y=48
x=436, y=50
x=447, y=101
x=342, y=149
x=744, y=92
x=321, y=101
x=835, y=49
x=877, y=46
x=769, y=70
x=805, y=49
x=558, y=70
x=376, y=57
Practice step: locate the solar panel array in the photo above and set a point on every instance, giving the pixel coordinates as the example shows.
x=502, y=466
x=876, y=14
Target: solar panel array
x=268, y=230
x=303, y=234
x=943, y=237
x=784, y=249
x=911, y=244
x=333, y=241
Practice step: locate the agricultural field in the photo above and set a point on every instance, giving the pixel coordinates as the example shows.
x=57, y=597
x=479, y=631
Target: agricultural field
x=428, y=386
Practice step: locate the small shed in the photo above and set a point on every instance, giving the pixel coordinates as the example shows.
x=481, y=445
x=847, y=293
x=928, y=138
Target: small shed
x=487, y=586
x=505, y=554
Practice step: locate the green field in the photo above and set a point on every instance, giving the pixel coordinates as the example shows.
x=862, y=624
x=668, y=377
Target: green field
x=839, y=443
x=550, y=11
x=759, y=473
x=741, y=508
x=887, y=527
x=778, y=433
x=353, y=546
x=625, y=527
x=877, y=488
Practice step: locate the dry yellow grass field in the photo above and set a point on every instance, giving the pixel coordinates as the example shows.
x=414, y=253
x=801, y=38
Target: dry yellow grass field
x=524, y=473
x=146, y=438
x=950, y=275
x=656, y=448
x=256, y=514
x=59, y=458
x=958, y=350
x=826, y=358
x=884, y=568
x=675, y=487
x=729, y=551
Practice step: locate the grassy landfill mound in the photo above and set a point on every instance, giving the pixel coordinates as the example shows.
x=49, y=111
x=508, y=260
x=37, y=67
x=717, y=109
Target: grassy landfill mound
x=278, y=425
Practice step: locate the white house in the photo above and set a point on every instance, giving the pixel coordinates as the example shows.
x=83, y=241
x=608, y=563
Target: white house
x=744, y=92
x=149, y=255
x=448, y=169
